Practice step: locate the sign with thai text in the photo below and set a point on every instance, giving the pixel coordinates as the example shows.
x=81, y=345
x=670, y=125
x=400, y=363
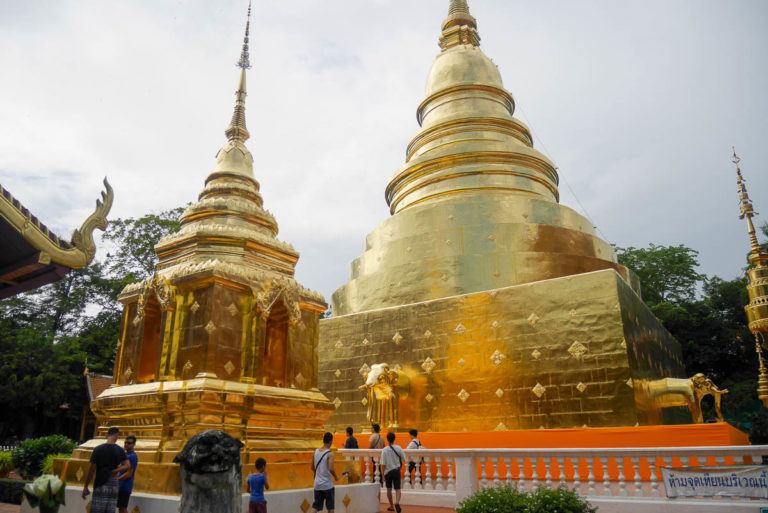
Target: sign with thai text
x=709, y=482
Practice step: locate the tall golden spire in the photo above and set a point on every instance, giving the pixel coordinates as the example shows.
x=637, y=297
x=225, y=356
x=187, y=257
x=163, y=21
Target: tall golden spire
x=756, y=254
x=237, y=130
x=757, y=309
x=459, y=28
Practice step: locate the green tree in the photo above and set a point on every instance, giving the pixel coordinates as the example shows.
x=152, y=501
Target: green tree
x=47, y=335
x=667, y=273
x=134, y=241
x=706, y=315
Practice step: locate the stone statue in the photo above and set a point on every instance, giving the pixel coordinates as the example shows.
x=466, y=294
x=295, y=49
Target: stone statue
x=381, y=386
x=685, y=392
x=211, y=473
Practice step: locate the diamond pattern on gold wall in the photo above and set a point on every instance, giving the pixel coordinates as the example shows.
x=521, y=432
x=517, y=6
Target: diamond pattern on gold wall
x=461, y=370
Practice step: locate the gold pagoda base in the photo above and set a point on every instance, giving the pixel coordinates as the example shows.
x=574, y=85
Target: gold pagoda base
x=282, y=425
x=575, y=351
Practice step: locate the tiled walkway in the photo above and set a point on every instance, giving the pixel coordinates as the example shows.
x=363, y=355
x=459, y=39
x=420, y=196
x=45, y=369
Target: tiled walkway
x=12, y=508
x=411, y=509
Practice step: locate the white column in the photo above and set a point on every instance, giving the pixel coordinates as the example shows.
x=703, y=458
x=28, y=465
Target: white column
x=606, y=477
x=466, y=476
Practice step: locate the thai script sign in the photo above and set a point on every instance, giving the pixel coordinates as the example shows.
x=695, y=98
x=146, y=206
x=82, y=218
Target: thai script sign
x=703, y=482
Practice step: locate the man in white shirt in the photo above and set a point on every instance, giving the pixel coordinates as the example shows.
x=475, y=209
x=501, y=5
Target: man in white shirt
x=324, y=488
x=392, y=459
x=413, y=444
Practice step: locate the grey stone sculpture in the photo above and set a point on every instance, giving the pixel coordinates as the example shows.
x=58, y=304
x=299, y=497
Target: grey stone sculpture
x=211, y=473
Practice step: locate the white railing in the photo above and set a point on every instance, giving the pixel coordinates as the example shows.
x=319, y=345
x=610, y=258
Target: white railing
x=7, y=448
x=631, y=472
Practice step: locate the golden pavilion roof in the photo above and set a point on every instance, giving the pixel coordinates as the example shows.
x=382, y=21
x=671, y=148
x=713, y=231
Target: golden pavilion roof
x=32, y=255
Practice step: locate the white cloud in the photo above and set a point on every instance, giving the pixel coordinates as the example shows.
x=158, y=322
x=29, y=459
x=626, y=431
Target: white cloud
x=638, y=104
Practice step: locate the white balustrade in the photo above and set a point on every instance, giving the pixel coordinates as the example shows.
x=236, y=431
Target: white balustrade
x=458, y=473
x=521, y=477
x=451, y=480
x=439, y=484
x=483, y=481
x=606, y=477
x=576, y=473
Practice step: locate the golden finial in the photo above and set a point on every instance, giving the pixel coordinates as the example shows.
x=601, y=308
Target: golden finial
x=459, y=28
x=458, y=6
x=244, y=61
x=747, y=211
x=237, y=130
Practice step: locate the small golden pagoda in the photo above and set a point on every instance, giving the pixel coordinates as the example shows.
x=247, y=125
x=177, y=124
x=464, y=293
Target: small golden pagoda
x=496, y=307
x=220, y=337
x=757, y=309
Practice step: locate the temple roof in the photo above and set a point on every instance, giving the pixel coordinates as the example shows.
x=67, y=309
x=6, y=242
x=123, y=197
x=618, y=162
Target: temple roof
x=97, y=383
x=32, y=255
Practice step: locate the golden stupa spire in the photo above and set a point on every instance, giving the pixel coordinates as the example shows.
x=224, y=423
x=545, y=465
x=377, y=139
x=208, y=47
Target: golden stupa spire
x=756, y=254
x=237, y=130
x=459, y=28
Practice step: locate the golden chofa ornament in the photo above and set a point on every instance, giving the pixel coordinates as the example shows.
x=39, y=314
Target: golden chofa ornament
x=757, y=309
x=493, y=305
x=221, y=336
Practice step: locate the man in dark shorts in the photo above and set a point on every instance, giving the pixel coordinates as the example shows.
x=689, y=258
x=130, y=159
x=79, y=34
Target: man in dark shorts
x=392, y=458
x=322, y=466
x=107, y=461
x=125, y=480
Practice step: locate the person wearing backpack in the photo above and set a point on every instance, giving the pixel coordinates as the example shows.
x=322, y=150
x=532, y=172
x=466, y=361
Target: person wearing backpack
x=322, y=466
x=414, y=444
x=392, y=458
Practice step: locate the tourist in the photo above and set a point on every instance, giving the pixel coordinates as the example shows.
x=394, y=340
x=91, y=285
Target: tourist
x=351, y=442
x=107, y=461
x=322, y=466
x=392, y=458
x=376, y=441
x=414, y=444
x=125, y=480
x=257, y=483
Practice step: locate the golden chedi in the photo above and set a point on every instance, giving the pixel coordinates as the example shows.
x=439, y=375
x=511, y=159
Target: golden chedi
x=497, y=307
x=220, y=337
x=757, y=309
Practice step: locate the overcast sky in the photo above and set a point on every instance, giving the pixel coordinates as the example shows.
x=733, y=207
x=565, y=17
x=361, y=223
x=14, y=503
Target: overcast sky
x=637, y=103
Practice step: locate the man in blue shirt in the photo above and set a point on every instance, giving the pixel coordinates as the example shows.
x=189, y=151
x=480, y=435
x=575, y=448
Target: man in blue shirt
x=125, y=479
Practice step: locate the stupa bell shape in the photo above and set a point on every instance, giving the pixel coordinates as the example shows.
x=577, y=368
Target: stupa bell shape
x=475, y=206
x=221, y=336
x=492, y=305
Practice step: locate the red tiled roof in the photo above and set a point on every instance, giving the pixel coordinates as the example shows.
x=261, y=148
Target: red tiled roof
x=97, y=384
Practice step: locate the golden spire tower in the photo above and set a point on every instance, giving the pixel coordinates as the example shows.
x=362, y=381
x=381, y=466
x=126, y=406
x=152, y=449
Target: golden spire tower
x=497, y=307
x=221, y=336
x=757, y=309
x=475, y=206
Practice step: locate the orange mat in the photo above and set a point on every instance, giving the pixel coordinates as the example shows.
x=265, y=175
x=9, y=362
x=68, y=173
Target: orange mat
x=686, y=435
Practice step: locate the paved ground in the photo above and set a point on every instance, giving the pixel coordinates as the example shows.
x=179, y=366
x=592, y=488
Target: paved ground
x=12, y=508
x=406, y=509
